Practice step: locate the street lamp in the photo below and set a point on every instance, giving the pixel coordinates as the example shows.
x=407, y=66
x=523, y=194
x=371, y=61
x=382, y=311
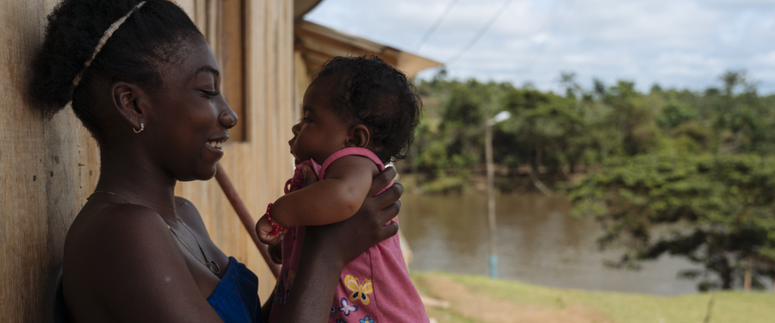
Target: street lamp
x=501, y=116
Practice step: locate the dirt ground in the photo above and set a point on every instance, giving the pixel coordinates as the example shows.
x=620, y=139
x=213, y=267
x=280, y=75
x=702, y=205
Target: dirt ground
x=486, y=309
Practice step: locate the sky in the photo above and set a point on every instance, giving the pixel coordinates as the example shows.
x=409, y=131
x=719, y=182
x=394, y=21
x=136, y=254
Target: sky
x=685, y=44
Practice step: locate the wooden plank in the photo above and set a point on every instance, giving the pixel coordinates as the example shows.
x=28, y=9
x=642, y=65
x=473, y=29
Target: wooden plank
x=212, y=31
x=301, y=81
x=47, y=168
x=257, y=80
x=232, y=49
x=23, y=221
x=310, y=28
x=200, y=15
x=412, y=64
x=189, y=6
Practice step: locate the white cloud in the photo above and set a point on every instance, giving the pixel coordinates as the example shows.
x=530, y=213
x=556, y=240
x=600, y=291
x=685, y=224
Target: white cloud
x=680, y=43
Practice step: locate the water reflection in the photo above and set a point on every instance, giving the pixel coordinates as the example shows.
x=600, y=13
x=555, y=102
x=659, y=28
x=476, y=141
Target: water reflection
x=537, y=243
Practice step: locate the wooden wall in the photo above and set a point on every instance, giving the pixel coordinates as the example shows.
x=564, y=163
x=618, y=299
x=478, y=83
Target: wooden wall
x=260, y=164
x=49, y=167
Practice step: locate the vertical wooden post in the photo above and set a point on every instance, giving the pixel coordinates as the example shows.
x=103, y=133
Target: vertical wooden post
x=245, y=217
x=747, y=277
x=490, y=199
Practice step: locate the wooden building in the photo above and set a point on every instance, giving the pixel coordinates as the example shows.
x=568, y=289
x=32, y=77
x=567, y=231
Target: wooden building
x=49, y=167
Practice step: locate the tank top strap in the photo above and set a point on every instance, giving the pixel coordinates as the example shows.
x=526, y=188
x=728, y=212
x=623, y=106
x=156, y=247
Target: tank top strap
x=351, y=151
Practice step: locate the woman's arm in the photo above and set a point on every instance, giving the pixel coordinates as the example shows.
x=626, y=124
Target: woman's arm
x=329, y=247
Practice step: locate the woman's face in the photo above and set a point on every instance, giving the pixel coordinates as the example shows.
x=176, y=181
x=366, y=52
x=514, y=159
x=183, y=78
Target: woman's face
x=189, y=119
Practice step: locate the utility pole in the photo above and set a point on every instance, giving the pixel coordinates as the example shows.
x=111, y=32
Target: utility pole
x=491, y=230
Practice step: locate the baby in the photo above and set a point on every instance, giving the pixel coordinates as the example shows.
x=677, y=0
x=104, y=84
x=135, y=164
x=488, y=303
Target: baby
x=359, y=113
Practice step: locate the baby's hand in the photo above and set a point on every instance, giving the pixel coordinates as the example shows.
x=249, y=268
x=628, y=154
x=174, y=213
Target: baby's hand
x=264, y=230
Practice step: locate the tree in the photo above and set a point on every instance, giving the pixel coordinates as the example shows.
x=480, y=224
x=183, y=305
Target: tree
x=568, y=82
x=718, y=211
x=545, y=130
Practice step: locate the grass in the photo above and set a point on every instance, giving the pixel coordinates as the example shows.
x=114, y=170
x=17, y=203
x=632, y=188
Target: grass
x=732, y=306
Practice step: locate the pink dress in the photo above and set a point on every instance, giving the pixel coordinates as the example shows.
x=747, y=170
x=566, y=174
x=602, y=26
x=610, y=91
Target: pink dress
x=373, y=288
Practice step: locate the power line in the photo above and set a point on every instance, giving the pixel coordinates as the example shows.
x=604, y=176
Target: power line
x=481, y=33
x=435, y=25
x=552, y=30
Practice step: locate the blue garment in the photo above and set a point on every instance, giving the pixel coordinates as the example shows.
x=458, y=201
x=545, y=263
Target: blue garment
x=236, y=296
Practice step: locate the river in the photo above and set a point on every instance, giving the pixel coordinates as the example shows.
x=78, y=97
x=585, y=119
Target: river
x=538, y=243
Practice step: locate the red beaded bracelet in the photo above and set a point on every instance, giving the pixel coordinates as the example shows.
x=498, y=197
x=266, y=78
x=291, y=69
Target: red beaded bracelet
x=276, y=228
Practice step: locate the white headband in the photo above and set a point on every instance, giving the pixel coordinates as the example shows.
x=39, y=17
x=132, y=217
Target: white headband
x=105, y=36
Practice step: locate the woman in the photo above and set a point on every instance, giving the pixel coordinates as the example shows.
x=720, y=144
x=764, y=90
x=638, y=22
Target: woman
x=142, y=79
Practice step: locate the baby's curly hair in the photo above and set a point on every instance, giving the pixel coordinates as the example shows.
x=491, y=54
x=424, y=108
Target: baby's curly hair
x=151, y=35
x=368, y=90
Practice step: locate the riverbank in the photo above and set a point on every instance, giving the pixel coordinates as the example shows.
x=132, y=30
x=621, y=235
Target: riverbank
x=478, y=299
x=476, y=183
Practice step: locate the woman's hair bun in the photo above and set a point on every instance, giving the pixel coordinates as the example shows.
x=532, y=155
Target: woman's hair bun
x=72, y=33
x=149, y=36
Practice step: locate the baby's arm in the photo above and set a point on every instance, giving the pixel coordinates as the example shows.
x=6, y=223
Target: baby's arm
x=333, y=199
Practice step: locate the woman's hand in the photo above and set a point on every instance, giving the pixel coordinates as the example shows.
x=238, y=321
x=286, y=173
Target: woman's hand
x=329, y=247
x=348, y=239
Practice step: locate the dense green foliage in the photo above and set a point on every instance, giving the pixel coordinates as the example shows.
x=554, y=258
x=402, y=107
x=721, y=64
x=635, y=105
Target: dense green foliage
x=669, y=171
x=714, y=210
x=584, y=128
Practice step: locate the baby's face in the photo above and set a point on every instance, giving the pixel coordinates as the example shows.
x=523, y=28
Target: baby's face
x=320, y=132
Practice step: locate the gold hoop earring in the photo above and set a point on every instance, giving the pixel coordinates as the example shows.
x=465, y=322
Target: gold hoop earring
x=142, y=127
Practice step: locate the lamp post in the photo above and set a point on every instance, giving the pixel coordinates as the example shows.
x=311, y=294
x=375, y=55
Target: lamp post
x=503, y=115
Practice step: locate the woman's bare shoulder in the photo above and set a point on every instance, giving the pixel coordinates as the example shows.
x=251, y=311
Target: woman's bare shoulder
x=190, y=215
x=105, y=236
x=122, y=257
x=112, y=224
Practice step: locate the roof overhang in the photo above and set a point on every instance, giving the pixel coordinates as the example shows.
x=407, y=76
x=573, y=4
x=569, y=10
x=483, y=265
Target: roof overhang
x=318, y=44
x=302, y=7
